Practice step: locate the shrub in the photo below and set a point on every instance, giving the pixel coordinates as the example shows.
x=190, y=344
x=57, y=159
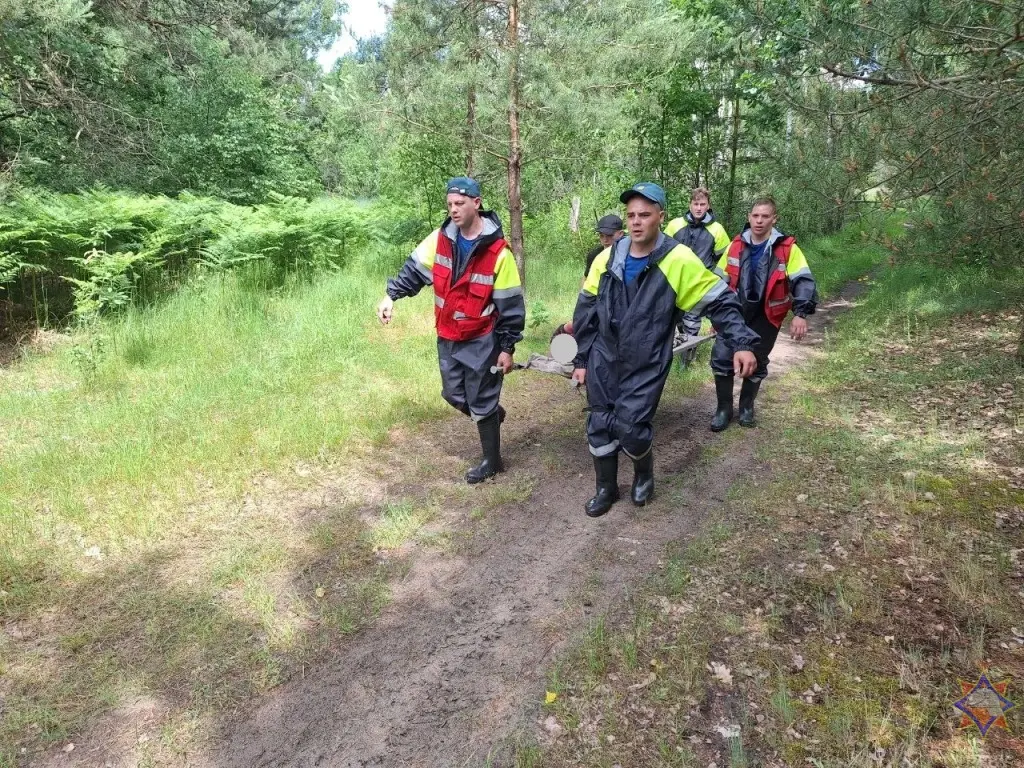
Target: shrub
x=100, y=251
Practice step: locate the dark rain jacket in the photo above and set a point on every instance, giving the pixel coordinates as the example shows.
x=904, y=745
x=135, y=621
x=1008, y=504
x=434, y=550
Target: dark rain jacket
x=625, y=334
x=695, y=237
x=707, y=222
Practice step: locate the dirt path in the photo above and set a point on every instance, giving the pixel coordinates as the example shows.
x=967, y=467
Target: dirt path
x=459, y=660
x=456, y=664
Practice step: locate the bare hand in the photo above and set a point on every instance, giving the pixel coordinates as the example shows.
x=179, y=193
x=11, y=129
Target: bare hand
x=798, y=328
x=385, y=310
x=744, y=363
x=579, y=375
x=505, y=362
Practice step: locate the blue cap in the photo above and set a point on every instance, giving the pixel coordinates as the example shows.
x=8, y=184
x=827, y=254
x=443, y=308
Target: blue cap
x=648, y=190
x=464, y=185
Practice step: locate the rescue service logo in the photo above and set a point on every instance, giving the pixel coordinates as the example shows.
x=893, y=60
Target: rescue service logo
x=984, y=704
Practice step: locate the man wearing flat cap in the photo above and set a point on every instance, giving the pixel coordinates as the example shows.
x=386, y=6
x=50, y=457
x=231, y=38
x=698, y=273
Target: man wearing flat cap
x=624, y=323
x=609, y=229
x=479, y=311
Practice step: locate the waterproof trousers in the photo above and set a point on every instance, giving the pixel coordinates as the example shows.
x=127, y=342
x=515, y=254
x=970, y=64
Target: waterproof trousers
x=722, y=353
x=467, y=383
x=621, y=410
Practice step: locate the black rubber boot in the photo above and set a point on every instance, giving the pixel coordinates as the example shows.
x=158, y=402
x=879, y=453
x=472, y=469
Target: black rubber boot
x=723, y=388
x=607, y=470
x=490, y=441
x=643, y=479
x=748, y=393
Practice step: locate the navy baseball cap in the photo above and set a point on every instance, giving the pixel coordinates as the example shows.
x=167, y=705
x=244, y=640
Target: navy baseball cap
x=609, y=225
x=648, y=190
x=464, y=185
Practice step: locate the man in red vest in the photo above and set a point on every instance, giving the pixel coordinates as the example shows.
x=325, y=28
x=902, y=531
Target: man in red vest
x=768, y=271
x=478, y=310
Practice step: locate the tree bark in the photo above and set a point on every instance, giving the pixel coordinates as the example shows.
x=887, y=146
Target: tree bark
x=470, y=128
x=469, y=135
x=1020, y=344
x=734, y=151
x=515, y=160
x=662, y=151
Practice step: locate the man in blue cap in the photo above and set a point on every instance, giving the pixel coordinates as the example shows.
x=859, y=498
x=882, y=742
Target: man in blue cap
x=478, y=310
x=624, y=324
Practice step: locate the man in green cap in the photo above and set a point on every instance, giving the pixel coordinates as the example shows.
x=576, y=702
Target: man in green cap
x=624, y=326
x=478, y=310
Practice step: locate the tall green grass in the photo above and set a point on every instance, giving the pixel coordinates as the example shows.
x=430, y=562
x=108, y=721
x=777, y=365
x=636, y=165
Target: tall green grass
x=108, y=438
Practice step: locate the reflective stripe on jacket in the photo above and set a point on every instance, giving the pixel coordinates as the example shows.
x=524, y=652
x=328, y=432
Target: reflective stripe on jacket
x=462, y=306
x=781, y=282
x=501, y=311
x=777, y=298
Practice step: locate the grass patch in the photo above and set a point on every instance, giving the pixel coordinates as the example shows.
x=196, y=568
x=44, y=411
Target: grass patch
x=399, y=522
x=190, y=502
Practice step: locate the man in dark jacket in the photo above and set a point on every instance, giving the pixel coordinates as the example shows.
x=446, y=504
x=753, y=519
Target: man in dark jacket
x=700, y=216
x=478, y=309
x=625, y=322
x=698, y=230
x=609, y=229
x=769, y=274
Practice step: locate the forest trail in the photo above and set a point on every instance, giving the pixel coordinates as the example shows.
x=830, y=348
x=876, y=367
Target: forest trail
x=456, y=665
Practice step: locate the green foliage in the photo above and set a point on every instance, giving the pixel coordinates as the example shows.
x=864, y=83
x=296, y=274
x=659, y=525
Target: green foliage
x=110, y=281
x=540, y=315
x=101, y=251
x=932, y=92
x=161, y=97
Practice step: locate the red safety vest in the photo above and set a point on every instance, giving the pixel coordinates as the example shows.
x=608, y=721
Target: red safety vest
x=465, y=311
x=777, y=298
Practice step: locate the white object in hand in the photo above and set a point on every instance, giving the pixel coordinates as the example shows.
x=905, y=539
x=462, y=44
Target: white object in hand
x=564, y=348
